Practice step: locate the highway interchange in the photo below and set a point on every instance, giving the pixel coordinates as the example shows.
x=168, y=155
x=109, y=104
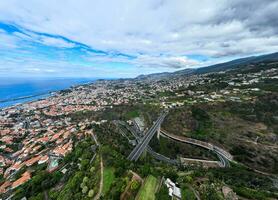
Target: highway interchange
x=143, y=142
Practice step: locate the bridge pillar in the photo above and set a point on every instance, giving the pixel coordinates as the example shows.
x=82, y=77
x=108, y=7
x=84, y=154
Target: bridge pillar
x=158, y=132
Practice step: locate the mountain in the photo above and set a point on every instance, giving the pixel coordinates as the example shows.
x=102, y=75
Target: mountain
x=273, y=57
x=167, y=74
x=238, y=63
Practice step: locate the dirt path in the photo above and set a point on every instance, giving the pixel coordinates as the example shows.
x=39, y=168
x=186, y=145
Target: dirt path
x=101, y=181
x=45, y=194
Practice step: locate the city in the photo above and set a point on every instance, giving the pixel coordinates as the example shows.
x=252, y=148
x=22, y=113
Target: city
x=139, y=100
x=39, y=135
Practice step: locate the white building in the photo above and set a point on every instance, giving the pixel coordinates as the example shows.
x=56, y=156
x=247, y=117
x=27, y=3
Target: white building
x=174, y=191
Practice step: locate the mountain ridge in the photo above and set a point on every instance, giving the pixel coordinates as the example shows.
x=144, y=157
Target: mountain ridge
x=216, y=67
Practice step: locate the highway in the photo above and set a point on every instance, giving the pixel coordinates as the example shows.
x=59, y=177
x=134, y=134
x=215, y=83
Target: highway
x=138, y=135
x=143, y=143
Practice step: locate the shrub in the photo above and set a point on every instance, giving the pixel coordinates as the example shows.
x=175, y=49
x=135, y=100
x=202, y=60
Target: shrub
x=85, y=190
x=91, y=193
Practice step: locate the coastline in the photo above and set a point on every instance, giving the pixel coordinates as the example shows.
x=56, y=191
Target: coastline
x=14, y=102
x=23, y=97
x=24, y=100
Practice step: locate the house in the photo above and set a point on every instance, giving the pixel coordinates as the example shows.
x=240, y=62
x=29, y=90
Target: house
x=43, y=159
x=174, y=191
x=5, y=186
x=23, y=179
x=14, y=168
x=32, y=161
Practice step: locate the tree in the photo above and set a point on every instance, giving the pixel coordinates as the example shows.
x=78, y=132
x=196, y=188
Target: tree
x=85, y=190
x=163, y=193
x=82, y=185
x=92, y=169
x=85, y=179
x=91, y=193
x=84, y=164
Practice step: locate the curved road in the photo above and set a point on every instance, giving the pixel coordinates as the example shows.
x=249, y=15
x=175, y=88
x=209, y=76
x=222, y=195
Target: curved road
x=143, y=142
x=223, y=155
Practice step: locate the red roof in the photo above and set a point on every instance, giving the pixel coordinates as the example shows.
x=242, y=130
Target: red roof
x=43, y=139
x=32, y=160
x=23, y=179
x=4, y=186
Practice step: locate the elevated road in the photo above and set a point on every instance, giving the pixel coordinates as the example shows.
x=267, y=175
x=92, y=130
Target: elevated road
x=143, y=142
x=138, y=135
x=162, y=157
x=223, y=155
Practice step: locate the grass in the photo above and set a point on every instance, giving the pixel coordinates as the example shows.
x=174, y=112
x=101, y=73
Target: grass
x=108, y=178
x=147, y=191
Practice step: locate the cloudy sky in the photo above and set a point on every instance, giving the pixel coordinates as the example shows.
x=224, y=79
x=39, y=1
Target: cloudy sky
x=125, y=38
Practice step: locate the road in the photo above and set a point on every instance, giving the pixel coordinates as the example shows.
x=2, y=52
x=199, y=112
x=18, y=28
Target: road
x=98, y=195
x=223, y=155
x=143, y=143
x=162, y=157
x=138, y=135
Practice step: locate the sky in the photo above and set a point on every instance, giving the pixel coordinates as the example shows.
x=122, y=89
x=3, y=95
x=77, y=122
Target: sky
x=126, y=38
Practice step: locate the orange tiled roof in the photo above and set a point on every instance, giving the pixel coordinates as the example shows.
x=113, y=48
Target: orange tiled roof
x=44, y=159
x=23, y=179
x=16, y=166
x=4, y=186
x=59, y=151
x=32, y=160
x=56, y=136
x=43, y=139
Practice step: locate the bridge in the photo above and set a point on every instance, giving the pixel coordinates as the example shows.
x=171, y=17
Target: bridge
x=223, y=155
x=144, y=141
x=138, y=135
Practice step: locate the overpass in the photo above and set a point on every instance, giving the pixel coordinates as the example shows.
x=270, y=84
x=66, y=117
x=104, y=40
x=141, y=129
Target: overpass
x=143, y=142
x=223, y=155
x=138, y=135
x=162, y=157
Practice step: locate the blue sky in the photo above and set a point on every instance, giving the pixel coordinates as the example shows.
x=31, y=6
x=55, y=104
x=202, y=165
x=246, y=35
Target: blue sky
x=124, y=38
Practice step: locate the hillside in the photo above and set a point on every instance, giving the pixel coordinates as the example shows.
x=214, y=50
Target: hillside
x=217, y=67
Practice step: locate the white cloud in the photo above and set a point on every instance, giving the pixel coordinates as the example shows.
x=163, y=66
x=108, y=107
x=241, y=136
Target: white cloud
x=149, y=26
x=165, y=62
x=158, y=32
x=56, y=42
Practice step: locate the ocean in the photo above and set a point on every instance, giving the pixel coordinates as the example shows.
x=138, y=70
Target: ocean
x=18, y=90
